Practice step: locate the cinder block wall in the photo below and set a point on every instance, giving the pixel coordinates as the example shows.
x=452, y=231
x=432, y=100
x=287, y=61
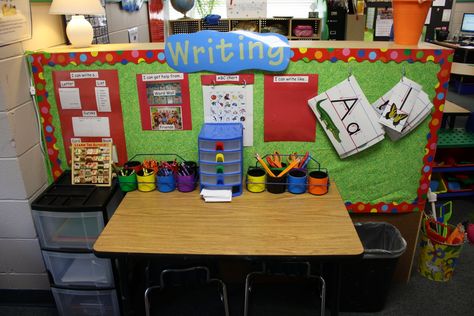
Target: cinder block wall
x=22, y=169
x=23, y=174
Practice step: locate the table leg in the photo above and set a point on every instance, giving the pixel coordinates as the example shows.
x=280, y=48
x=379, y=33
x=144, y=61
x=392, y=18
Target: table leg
x=335, y=289
x=124, y=291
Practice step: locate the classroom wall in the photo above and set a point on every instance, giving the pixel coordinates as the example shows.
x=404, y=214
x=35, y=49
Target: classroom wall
x=120, y=21
x=459, y=8
x=21, y=159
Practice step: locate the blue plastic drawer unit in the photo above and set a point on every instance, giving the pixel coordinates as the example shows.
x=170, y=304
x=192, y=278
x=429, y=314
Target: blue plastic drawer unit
x=220, y=156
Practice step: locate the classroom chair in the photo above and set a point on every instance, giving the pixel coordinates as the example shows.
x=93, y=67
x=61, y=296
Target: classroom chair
x=188, y=291
x=284, y=288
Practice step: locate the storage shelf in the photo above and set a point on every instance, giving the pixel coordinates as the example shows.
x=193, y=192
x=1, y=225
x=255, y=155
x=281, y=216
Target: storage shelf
x=449, y=195
x=453, y=169
x=283, y=25
x=457, y=137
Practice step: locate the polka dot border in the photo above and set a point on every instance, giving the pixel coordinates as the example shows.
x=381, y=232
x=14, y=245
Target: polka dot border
x=442, y=57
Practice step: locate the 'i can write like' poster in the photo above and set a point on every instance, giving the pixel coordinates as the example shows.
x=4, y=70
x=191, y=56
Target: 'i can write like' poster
x=287, y=116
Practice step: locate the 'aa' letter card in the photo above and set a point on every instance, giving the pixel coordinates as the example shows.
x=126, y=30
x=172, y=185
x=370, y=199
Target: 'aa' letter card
x=347, y=118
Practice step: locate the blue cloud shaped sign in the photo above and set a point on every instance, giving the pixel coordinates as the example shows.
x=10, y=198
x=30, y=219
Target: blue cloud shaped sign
x=227, y=52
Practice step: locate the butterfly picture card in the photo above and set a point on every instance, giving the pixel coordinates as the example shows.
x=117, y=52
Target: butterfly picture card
x=418, y=114
x=421, y=109
x=400, y=104
x=347, y=118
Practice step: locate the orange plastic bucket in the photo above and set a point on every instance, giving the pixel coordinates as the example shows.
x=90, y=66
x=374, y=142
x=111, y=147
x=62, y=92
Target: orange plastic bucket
x=318, y=182
x=408, y=19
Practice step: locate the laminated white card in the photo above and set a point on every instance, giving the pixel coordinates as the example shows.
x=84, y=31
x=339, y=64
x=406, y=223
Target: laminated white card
x=402, y=99
x=421, y=109
x=417, y=115
x=347, y=118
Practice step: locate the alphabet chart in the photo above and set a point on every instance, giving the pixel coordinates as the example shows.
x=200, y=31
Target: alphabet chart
x=347, y=118
x=229, y=99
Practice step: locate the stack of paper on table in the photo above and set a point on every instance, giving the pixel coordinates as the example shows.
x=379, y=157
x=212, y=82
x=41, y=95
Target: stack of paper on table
x=347, y=118
x=216, y=195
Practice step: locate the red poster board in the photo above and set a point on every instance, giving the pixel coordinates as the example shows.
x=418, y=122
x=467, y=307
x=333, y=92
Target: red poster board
x=287, y=116
x=164, y=101
x=89, y=109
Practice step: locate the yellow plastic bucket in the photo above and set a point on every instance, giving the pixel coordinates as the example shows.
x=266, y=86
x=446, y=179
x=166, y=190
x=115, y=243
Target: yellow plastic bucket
x=408, y=19
x=437, y=260
x=256, y=180
x=146, y=183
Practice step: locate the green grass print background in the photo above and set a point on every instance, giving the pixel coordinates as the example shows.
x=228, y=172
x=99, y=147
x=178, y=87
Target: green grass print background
x=386, y=172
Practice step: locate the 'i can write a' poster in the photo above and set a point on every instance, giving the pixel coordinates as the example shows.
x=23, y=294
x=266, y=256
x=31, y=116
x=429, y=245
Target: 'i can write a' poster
x=164, y=101
x=229, y=99
x=90, y=109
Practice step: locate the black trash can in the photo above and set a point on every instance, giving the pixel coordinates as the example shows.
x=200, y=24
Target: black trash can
x=365, y=284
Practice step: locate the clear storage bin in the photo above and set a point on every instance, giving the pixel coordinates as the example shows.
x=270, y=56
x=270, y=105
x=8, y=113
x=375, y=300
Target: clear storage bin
x=79, y=269
x=224, y=168
x=80, y=303
x=229, y=156
x=221, y=179
x=225, y=145
x=64, y=230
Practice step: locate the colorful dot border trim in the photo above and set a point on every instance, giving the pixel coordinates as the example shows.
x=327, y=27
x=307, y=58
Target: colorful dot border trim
x=443, y=57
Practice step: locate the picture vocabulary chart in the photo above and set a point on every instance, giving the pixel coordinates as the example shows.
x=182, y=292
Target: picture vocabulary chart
x=89, y=108
x=91, y=163
x=164, y=101
x=347, y=118
x=229, y=99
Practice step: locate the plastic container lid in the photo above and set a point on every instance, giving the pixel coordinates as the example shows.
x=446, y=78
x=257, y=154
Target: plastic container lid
x=62, y=196
x=221, y=131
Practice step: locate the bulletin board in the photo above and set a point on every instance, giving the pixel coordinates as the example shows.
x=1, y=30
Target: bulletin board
x=389, y=177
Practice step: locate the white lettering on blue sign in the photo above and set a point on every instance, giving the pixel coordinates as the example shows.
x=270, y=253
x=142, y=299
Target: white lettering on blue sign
x=227, y=52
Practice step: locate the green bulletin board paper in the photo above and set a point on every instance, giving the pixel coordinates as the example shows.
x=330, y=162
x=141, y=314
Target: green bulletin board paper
x=386, y=172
